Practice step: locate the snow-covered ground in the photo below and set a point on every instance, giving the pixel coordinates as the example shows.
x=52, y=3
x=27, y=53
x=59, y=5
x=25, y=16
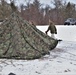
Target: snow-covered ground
x=61, y=61
x=67, y=33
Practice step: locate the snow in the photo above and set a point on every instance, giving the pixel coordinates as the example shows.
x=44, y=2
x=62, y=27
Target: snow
x=61, y=61
x=66, y=33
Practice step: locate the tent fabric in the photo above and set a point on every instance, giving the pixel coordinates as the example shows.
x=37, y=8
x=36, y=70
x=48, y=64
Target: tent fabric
x=21, y=40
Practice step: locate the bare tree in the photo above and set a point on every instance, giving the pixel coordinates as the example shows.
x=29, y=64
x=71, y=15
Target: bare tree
x=39, y=15
x=47, y=13
x=70, y=10
x=58, y=9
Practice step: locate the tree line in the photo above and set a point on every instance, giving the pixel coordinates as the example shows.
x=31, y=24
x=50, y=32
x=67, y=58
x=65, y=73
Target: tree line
x=40, y=15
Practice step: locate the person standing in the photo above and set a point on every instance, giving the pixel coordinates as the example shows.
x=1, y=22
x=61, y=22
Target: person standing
x=52, y=29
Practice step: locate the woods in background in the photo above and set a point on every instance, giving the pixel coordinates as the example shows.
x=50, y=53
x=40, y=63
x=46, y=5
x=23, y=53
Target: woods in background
x=40, y=13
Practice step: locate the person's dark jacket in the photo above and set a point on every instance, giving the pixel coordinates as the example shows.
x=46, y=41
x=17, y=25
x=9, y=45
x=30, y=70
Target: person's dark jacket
x=52, y=29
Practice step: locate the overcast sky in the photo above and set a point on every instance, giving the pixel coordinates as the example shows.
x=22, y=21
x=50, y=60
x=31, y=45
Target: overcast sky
x=43, y=1
x=49, y=1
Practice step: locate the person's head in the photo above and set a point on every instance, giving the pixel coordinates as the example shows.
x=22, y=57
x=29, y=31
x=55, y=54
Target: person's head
x=31, y=22
x=50, y=22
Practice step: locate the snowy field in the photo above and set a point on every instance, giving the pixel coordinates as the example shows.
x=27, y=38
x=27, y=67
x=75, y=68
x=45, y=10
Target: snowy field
x=61, y=61
x=66, y=33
